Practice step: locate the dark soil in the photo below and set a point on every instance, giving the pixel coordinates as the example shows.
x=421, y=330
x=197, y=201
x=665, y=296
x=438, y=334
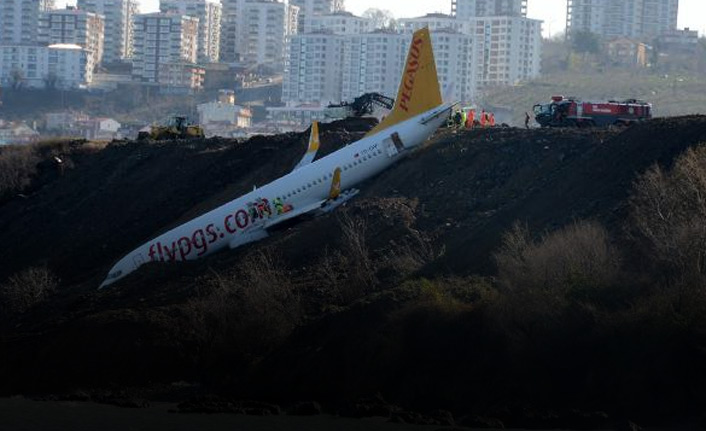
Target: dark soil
x=455, y=196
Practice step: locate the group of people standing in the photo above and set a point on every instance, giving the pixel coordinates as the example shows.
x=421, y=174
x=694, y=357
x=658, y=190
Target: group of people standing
x=469, y=119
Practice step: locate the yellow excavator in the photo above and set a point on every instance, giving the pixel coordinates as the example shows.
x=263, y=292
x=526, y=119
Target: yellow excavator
x=177, y=127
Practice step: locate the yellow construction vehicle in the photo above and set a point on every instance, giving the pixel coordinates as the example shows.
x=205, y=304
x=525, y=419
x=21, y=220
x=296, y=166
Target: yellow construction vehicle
x=177, y=127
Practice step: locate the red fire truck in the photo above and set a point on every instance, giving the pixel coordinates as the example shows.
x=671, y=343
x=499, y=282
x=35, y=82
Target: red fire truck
x=569, y=112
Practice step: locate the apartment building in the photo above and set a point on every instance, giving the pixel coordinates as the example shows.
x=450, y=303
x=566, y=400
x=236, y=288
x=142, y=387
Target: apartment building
x=434, y=22
x=638, y=19
x=73, y=26
x=313, y=69
x=118, y=26
x=165, y=50
x=339, y=23
x=209, y=16
x=19, y=20
x=683, y=41
x=308, y=9
x=464, y=9
x=507, y=50
x=56, y=66
x=323, y=67
x=255, y=32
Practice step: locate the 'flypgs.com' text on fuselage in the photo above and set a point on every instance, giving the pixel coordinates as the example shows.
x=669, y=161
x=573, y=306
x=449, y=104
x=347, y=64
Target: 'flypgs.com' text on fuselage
x=418, y=112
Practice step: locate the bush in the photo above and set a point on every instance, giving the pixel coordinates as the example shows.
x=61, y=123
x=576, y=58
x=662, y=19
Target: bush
x=253, y=308
x=348, y=274
x=570, y=260
x=28, y=288
x=18, y=163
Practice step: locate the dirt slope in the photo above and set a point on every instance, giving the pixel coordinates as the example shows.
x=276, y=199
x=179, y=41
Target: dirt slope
x=453, y=197
x=115, y=199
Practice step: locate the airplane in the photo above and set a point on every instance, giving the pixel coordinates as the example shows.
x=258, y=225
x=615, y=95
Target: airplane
x=313, y=187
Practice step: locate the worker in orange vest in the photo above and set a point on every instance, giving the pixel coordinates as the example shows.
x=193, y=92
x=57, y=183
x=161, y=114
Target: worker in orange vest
x=471, y=118
x=483, y=118
x=491, y=119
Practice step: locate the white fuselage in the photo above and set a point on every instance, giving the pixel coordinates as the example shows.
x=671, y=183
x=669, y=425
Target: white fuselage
x=244, y=219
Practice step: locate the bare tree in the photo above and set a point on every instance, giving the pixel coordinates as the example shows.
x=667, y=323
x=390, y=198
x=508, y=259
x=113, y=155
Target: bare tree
x=17, y=79
x=28, y=288
x=381, y=18
x=669, y=214
x=18, y=164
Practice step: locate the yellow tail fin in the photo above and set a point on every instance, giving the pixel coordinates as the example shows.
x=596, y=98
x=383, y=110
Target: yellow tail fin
x=314, y=138
x=419, y=88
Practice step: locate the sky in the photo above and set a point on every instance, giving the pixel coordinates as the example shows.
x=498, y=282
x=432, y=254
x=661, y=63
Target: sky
x=692, y=13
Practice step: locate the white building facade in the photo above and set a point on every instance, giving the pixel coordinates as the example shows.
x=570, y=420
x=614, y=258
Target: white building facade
x=434, y=22
x=73, y=26
x=338, y=23
x=507, y=50
x=464, y=9
x=638, y=19
x=165, y=45
x=118, y=18
x=19, y=20
x=324, y=68
x=209, y=16
x=63, y=66
x=255, y=32
x=313, y=69
x=308, y=9
x=223, y=117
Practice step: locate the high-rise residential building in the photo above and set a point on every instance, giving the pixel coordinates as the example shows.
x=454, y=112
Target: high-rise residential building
x=507, y=50
x=255, y=32
x=73, y=26
x=311, y=8
x=165, y=49
x=54, y=66
x=118, y=16
x=339, y=22
x=323, y=67
x=313, y=69
x=209, y=15
x=19, y=20
x=464, y=9
x=231, y=23
x=638, y=19
x=434, y=22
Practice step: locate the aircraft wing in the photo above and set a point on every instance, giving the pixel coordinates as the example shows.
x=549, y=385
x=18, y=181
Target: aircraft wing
x=294, y=213
x=335, y=199
x=313, y=148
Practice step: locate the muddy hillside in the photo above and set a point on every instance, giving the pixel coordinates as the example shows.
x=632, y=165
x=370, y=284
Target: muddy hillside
x=325, y=308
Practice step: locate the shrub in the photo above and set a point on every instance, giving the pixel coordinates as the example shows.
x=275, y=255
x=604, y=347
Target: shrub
x=348, y=274
x=254, y=307
x=28, y=288
x=577, y=257
x=18, y=163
